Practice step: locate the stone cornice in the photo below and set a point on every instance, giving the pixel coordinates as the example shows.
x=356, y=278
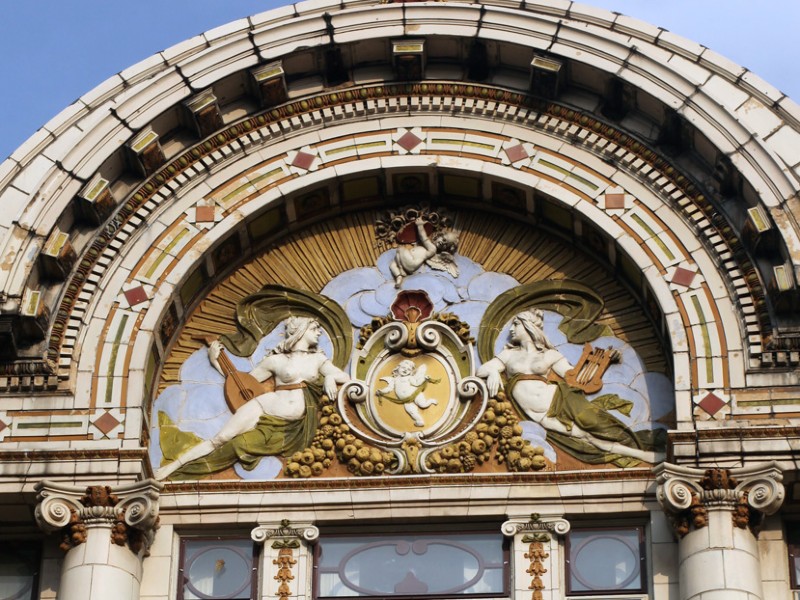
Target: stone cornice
x=750, y=432
x=541, y=477
x=47, y=456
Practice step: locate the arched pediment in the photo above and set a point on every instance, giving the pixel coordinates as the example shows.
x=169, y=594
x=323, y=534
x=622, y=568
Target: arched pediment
x=674, y=168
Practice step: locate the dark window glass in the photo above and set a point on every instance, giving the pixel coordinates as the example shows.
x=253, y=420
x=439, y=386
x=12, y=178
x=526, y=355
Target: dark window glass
x=19, y=570
x=605, y=560
x=405, y=565
x=793, y=541
x=217, y=568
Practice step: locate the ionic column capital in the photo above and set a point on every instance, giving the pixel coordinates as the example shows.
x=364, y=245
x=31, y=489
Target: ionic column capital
x=687, y=493
x=130, y=510
x=541, y=526
x=285, y=534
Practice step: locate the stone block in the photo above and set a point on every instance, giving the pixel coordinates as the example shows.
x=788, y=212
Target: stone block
x=701, y=571
x=100, y=94
x=786, y=143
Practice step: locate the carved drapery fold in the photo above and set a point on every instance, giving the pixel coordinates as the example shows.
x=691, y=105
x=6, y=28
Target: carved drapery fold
x=686, y=494
x=130, y=510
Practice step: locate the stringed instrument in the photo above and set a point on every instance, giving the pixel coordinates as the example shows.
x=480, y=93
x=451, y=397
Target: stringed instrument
x=587, y=375
x=240, y=387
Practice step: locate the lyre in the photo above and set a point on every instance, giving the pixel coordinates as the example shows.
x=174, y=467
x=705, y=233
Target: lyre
x=587, y=375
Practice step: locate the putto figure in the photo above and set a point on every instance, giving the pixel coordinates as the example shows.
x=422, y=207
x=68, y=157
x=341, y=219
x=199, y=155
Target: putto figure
x=437, y=252
x=277, y=422
x=408, y=384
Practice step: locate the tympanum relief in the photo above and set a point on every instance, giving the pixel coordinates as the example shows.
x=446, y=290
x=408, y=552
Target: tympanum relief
x=424, y=362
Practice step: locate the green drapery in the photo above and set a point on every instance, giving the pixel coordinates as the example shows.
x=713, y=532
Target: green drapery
x=271, y=436
x=571, y=407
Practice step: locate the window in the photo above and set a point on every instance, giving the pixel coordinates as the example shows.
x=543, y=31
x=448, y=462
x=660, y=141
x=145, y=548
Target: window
x=217, y=568
x=464, y=564
x=793, y=542
x=19, y=569
x=606, y=560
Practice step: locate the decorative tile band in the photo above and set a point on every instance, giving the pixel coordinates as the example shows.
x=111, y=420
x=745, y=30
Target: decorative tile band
x=517, y=107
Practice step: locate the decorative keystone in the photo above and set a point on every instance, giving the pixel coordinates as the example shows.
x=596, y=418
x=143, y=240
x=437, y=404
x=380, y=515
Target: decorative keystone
x=686, y=494
x=130, y=511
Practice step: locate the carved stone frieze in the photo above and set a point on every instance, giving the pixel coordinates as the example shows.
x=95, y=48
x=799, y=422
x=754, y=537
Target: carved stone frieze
x=687, y=494
x=130, y=511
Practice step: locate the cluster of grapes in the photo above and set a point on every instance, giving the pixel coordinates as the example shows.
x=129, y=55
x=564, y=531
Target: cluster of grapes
x=518, y=453
x=334, y=440
x=463, y=456
x=367, y=330
x=499, y=427
x=459, y=327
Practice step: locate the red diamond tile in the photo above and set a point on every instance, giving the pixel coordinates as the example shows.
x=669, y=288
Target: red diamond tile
x=515, y=153
x=204, y=214
x=106, y=423
x=711, y=403
x=683, y=277
x=303, y=160
x=136, y=295
x=408, y=141
x=2, y=426
x=615, y=201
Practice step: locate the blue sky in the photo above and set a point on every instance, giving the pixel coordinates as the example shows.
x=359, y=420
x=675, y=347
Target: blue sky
x=54, y=51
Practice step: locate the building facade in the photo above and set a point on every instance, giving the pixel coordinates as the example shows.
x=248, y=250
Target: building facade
x=430, y=300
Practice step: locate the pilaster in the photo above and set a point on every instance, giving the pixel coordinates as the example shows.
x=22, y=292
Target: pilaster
x=535, y=555
x=286, y=559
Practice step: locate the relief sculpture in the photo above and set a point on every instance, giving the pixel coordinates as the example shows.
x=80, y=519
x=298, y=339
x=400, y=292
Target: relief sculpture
x=535, y=375
x=406, y=386
x=460, y=370
x=281, y=421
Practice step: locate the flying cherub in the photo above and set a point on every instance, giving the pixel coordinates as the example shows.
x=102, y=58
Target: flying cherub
x=408, y=383
x=437, y=253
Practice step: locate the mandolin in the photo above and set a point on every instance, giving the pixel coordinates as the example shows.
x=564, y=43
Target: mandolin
x=240, y=387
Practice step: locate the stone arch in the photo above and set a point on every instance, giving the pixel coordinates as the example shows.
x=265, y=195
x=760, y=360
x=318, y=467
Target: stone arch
x=626, y=95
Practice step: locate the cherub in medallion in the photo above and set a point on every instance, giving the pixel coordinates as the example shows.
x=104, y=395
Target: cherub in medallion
x=408, y=383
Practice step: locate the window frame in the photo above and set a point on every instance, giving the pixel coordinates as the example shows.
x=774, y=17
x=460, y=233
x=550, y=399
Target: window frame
x=444, y=530
x=32, y=554
x=254, y=565
x=793, y=552
x=642, y=545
